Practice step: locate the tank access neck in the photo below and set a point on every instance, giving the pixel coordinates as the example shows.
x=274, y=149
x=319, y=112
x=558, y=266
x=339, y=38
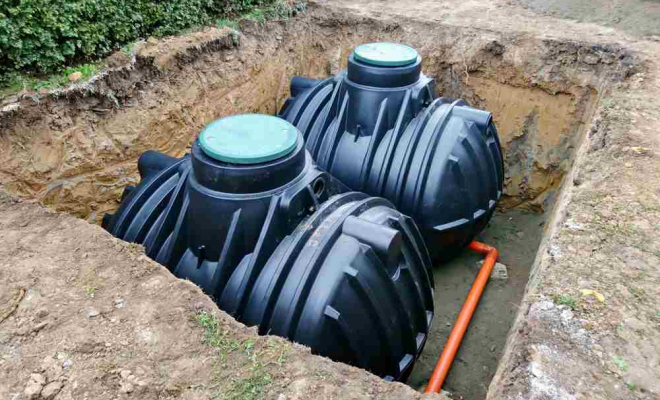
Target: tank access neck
x=384, y=65
x=249, y=153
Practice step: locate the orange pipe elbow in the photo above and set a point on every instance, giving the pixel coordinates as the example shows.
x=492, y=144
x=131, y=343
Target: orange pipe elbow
x=446, y=359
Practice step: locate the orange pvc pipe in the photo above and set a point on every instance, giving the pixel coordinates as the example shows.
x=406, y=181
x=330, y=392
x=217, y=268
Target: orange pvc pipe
x=443, y=365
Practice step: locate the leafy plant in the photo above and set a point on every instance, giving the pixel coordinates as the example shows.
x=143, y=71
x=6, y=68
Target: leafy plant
x=43, y=36
x=565, y=300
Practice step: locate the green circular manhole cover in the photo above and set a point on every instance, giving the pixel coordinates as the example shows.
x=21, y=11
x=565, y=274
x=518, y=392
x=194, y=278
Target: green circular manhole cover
x=248, y=139
x=386, y=54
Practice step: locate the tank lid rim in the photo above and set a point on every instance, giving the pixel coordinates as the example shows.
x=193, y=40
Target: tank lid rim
x=386, y=54
x=248, y=139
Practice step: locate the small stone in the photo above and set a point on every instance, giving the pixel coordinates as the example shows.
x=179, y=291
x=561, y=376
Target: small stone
x=32, y=390
x=126, y=387
x=566, y=316
x=76, y=76
x=628, y=165
x=34, y=386
x=108, y=344
x=92, y=312
x=125, y=373
x=38, y=378
x=546, y=305
x=52, y=368
x=66, y=364
x=535, y=369
x=40, y=326
x=51, y=390
x=499, y=271
x=152, y=41
x=591, y=59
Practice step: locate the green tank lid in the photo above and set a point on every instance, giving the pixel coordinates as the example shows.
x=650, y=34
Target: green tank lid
x=386, y=54
x=248, y=139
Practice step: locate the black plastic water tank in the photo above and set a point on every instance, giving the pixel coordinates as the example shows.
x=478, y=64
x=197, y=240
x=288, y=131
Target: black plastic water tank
x=353, y=282
x=280, y=244
x=378, y=128
x=203, y=214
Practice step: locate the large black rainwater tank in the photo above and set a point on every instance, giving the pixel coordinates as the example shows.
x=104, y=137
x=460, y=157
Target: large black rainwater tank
x=379, y=129
x=280, y=244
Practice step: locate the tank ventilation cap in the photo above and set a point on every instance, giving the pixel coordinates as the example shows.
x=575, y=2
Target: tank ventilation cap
x=385, y=54
x=248, y=139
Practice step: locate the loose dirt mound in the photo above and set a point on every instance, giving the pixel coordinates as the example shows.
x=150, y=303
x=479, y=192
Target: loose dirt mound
x=85, y=316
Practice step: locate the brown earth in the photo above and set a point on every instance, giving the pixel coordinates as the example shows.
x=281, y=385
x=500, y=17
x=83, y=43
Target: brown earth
x=635, y=16
x=575, y=103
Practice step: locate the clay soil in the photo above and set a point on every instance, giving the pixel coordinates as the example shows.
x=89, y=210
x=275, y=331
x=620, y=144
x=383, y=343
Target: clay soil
x=83, y=315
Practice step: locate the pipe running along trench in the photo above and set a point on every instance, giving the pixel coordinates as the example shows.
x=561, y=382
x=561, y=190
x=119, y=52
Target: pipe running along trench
x=446, y=359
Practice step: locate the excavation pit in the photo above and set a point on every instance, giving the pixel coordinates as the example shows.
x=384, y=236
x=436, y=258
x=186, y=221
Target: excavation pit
x=75, y=151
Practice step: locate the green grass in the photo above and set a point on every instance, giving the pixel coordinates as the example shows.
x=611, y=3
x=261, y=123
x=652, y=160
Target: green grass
x=253, y=385
x=214, y=336
x=565, y=300
x=223, y=23
x=19, y=82
x=620, y=362
x=279, y=10
x=251, y=388
x=90, y=290
x=128, y=49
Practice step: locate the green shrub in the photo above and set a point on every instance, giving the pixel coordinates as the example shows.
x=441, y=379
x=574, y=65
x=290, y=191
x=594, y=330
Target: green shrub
x=45, y=35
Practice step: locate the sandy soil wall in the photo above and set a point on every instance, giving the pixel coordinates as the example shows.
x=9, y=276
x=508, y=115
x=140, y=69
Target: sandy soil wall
x=74, y=150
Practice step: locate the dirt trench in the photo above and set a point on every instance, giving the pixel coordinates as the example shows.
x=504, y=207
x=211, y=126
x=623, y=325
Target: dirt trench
x=75, y=150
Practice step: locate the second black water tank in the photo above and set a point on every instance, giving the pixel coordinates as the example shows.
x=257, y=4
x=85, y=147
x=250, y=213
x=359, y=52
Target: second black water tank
x=379, y=128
